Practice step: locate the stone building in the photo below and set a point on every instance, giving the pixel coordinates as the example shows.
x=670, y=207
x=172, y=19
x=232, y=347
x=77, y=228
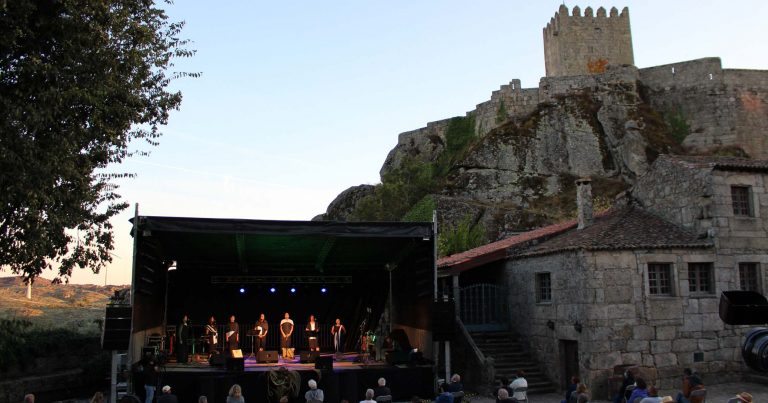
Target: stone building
x=577, y=45
x=639, y=284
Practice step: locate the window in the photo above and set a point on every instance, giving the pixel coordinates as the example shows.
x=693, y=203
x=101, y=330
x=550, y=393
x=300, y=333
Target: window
x=740, y=198
x=748, y=276
x=700, y=279
x=659, y=279
x=543, y=287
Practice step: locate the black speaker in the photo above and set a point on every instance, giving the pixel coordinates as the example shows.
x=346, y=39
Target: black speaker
x=443, y=320
x=308, y=356
x=266, y=356
x=324, y=363
x=117, y=328
x=216, y=359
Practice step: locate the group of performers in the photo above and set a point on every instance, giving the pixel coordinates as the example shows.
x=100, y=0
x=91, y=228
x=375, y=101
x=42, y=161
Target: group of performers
x=259, y=332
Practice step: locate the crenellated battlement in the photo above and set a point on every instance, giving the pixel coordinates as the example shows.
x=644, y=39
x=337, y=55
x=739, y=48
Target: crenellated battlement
x=576, y=44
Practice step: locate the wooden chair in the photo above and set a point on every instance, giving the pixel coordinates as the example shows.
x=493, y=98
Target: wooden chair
x=384, y=399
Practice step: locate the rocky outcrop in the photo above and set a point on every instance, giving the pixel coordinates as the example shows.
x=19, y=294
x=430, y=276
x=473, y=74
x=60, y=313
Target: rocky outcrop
x=344, y=204
x=531, y=144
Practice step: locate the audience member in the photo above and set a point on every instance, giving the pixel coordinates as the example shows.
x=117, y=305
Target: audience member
x=445, y=396
x=167, y=396
x=368, y=397
x=29, y=398
x=502, y=396
x=382, y=389
x=235, y=394
x=571, y=388
x=744, y=397
x=284, y=399
x=690, y=383
x=629, y=379
x=653, y=396
x=640, y=390
x=581, y=394
x=202, y=399
x=313, y=395
x=455, y=385
x=519, y=382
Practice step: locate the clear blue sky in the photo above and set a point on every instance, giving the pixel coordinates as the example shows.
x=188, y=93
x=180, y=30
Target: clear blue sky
x=300, y=100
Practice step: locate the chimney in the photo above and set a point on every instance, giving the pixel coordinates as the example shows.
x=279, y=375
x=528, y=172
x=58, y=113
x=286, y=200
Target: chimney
x=584, y=202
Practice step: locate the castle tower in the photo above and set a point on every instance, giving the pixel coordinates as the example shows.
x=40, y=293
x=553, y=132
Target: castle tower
x=576, y=45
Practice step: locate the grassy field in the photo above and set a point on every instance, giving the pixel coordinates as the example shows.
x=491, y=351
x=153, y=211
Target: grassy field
x=78, y=307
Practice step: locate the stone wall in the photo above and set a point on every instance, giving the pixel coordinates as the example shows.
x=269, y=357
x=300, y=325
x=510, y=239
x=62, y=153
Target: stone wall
x=573, y=44
x=607, y=294
x=720, y=107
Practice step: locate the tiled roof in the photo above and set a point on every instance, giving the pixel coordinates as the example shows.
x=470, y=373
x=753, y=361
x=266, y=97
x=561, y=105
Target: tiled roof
x=624, y=229
x=722, y=163
x=498, y=250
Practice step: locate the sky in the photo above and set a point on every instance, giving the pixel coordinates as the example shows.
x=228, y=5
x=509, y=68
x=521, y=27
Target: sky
x=299, y=100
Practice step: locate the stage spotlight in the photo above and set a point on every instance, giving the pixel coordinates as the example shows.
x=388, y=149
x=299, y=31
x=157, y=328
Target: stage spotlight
x=272, y=290
x=293, y=289
x=323, y=290
x=242, y=290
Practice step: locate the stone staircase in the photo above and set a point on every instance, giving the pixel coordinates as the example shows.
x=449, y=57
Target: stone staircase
x=510, y=356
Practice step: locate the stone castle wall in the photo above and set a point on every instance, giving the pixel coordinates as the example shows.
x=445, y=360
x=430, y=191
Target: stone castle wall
x=721, y=107
x=576, y=45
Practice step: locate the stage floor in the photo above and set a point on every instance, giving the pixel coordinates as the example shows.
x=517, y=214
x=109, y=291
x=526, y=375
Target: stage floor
x=347, y=380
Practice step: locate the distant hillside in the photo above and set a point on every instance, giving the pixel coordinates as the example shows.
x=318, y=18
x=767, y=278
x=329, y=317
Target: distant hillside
x=55, y=305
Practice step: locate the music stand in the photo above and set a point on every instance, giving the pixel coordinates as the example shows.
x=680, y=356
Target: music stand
x=252, y=335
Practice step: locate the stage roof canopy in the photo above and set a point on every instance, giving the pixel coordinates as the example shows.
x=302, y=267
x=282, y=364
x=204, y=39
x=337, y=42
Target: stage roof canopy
x=272, y=247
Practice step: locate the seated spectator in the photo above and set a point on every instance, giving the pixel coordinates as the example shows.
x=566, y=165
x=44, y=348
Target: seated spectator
x=313, y=395
x=382, y=389
x=690, y=383
x=445, y=396
x=202, y=399
x=167, y=396
x=455, y=385
x=98, y=397
x=571, y=388
x=502, y=396
x=581, y=394
x=519, y=382
x=29, y=398
x=744, y=397
x=640, y=391
x=368, y=397
x=235, y=394
x=653, y=396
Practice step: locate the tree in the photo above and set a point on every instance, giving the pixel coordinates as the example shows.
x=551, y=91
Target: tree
x=79, y=80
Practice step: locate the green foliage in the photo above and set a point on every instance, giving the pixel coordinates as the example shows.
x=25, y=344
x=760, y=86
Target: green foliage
x=399, y=190
x=501, y=113
x=464, y=236
x=678, y=126
x=21, y=343
x=422, y=211
x=79, y=80
x=403, y=187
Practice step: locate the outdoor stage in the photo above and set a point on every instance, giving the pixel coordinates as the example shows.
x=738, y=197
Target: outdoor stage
x=376, y=278
x=348, y=379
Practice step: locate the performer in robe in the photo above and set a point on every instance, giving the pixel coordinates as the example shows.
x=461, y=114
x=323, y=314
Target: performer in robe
x=183, y=336
x=312, y=331
x=286, y=330
x=211, y=335
x=262, y=327
x=233, y=334
x=338, y=331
